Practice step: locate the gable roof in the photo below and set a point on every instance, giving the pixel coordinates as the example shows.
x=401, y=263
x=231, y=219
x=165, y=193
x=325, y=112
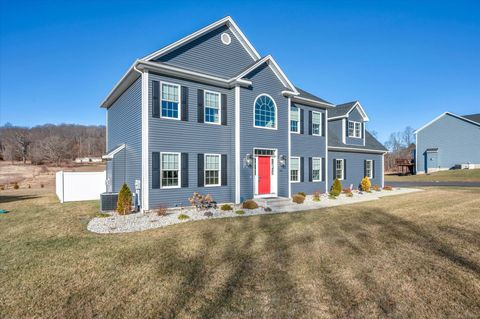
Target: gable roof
x=464, y=118
x=306, y=95
x=342, y=110
x=371, y=143
x=473, y=117
x=228, y=21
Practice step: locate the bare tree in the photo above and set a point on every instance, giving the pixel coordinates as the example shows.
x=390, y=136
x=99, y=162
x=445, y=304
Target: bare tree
x=23, y=142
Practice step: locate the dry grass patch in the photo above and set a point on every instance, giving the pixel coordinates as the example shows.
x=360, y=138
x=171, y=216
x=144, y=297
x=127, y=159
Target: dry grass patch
x=458, y=175
x=416, y=255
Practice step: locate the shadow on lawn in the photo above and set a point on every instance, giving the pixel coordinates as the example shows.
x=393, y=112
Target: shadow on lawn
x=16, y=198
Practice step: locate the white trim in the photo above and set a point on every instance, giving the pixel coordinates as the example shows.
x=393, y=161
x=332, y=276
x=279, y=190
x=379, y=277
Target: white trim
x=416, y=153
x=298, y=121
x=326, y=151
x=237, y=145
x=205, y=170
x=273, y=177
x=337, y=117
x=179, y=170
x=299, y=170
x=363, y=134
x=112, y=153
x=354, y=129
x=226, y=38
x=318, y=103
x=371, y=168
x=443, y=114
x=219, y=107
x=179, y=100
x=321, y=170
x=227, y=20
x=343, y=169
x=145, y=187
x=360, y=150
x=276, y=112
x=289, y=152
x=321, y=126
x=344, y=138
x=361, y=110
x=383, y=170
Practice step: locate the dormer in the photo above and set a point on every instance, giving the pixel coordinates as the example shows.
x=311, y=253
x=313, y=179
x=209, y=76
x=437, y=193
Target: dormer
x=348, y=122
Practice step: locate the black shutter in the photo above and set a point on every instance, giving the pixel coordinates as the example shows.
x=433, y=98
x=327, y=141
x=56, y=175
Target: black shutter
x=345, y=169
x=310, y=165
x=346, y=128
x=224, y=170
x=334, y=167
x=364, y=168
x=200, y=170
x=302, y=120
x=224, y=110
x=155, y=170
x=302, y=169
x=373, y=169
x=324, y=127
x=323, y=169
x=155, y=99
x=184, y=170
x=310, y=122
x=200, y=106
x=184, y=91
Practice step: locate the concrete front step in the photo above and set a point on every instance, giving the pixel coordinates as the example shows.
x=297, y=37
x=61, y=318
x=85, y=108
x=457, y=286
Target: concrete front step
x=274, y=202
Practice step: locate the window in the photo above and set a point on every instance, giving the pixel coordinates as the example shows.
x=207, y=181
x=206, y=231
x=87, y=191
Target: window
x=212, y=107
x=295, y=169
x=316, y=169
x=316, y=123
x=170, y=166
x=212, y=169
x=369, y=168
x=294, y=119
x=354, y=129
x=339, y=169
x=265, y=112
x=170, y=100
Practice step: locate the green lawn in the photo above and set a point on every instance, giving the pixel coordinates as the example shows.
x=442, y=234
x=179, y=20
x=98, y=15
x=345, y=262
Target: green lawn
x=415, y=255
x=464, y=175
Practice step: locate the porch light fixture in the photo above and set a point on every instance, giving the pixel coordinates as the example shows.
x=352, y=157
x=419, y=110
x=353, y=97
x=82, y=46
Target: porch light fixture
x=248, y=160
x=282, y=161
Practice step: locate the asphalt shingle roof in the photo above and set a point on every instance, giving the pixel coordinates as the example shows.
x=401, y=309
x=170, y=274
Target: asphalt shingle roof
x=310, y=96
x=473, y=117
x=341, y=109
x=371, y=143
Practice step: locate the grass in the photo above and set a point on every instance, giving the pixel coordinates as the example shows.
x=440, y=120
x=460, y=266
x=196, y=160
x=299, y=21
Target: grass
x=464, y=175
x=416, y=255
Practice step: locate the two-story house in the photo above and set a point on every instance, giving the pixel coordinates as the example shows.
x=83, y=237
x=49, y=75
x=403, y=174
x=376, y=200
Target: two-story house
x=208, y=114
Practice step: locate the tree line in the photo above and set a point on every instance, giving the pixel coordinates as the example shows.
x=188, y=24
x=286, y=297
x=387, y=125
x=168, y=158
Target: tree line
x=400, y=145
x=51, y=144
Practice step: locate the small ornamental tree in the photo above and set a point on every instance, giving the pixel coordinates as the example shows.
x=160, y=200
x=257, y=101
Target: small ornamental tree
x=336, y=187
x=124, y=202
x=366, y=184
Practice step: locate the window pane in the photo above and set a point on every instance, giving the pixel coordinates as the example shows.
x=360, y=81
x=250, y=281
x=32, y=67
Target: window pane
x=212, y=100
x=265, y=112
x=170, y=92
x=294, y=163
x=212, y=162
x=294, y=113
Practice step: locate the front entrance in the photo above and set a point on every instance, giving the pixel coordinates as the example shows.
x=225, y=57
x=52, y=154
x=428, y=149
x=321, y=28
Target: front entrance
x=265, y=172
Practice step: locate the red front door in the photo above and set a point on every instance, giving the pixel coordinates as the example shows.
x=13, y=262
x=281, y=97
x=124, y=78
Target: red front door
x=263, y=175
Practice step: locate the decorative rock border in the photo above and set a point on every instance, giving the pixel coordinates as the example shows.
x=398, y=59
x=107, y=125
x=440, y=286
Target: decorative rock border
x=143, y=221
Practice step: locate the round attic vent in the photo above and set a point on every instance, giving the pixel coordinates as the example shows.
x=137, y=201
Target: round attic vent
x=226, y=39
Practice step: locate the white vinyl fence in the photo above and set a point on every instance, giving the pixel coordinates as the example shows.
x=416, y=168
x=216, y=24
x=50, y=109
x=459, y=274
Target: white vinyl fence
x=78, y=186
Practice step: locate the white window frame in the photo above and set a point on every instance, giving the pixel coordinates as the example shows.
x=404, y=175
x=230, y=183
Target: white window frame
x=179, y=169
x=290, y=169
x=276, y=112
x=205, y=170
x=343, y=168
x=298, y=121
x=371, y=168
x=219, y=107
x=354, y=131
x=179, y=100
x=320, y=170
x=319, y=124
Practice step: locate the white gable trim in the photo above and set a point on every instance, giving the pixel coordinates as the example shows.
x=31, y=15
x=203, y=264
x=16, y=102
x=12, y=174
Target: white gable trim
x=112, y=153
x=225, y=21
x=442, y=115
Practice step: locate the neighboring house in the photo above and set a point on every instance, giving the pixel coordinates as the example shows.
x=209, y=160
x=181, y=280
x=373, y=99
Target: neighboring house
x=447, y=142
x=208, y=114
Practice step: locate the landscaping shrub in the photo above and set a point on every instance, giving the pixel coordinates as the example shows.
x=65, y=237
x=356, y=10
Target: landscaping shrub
x=348, y=192
x=226, y=207
x=202, y=202
x=183, y=217
x=124, y=202
x=330, y=196
x=336, y=187
x=161, y=210
x=366, y=184
x=298, y=198
x=29, y=186
x=377, y=187
x=316, y=196
x=42, y=186
x=15, y=186
x=303, y=194
x=249, y=204
x=2, y=187
x=387, y=187
x=239, y=212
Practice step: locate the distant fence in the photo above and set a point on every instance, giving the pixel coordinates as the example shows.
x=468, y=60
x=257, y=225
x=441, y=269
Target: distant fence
x=78, y=186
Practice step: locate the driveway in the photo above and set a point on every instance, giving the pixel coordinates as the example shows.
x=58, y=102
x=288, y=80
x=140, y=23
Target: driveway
x=422, y=184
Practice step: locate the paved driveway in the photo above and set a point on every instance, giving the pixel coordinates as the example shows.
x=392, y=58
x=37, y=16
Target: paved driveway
x=420, y=184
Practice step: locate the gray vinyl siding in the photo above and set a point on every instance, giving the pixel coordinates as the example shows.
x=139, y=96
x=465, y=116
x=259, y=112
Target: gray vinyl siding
x=209, y=55
x=125, y=127
x=355, y=167
x=264, y=81
x=354, y=116
x=168, y=135
x=336, y=127
x=305, y=145
x=458, y=142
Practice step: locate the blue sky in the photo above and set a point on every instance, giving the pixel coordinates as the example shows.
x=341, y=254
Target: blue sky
x=406, y=61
